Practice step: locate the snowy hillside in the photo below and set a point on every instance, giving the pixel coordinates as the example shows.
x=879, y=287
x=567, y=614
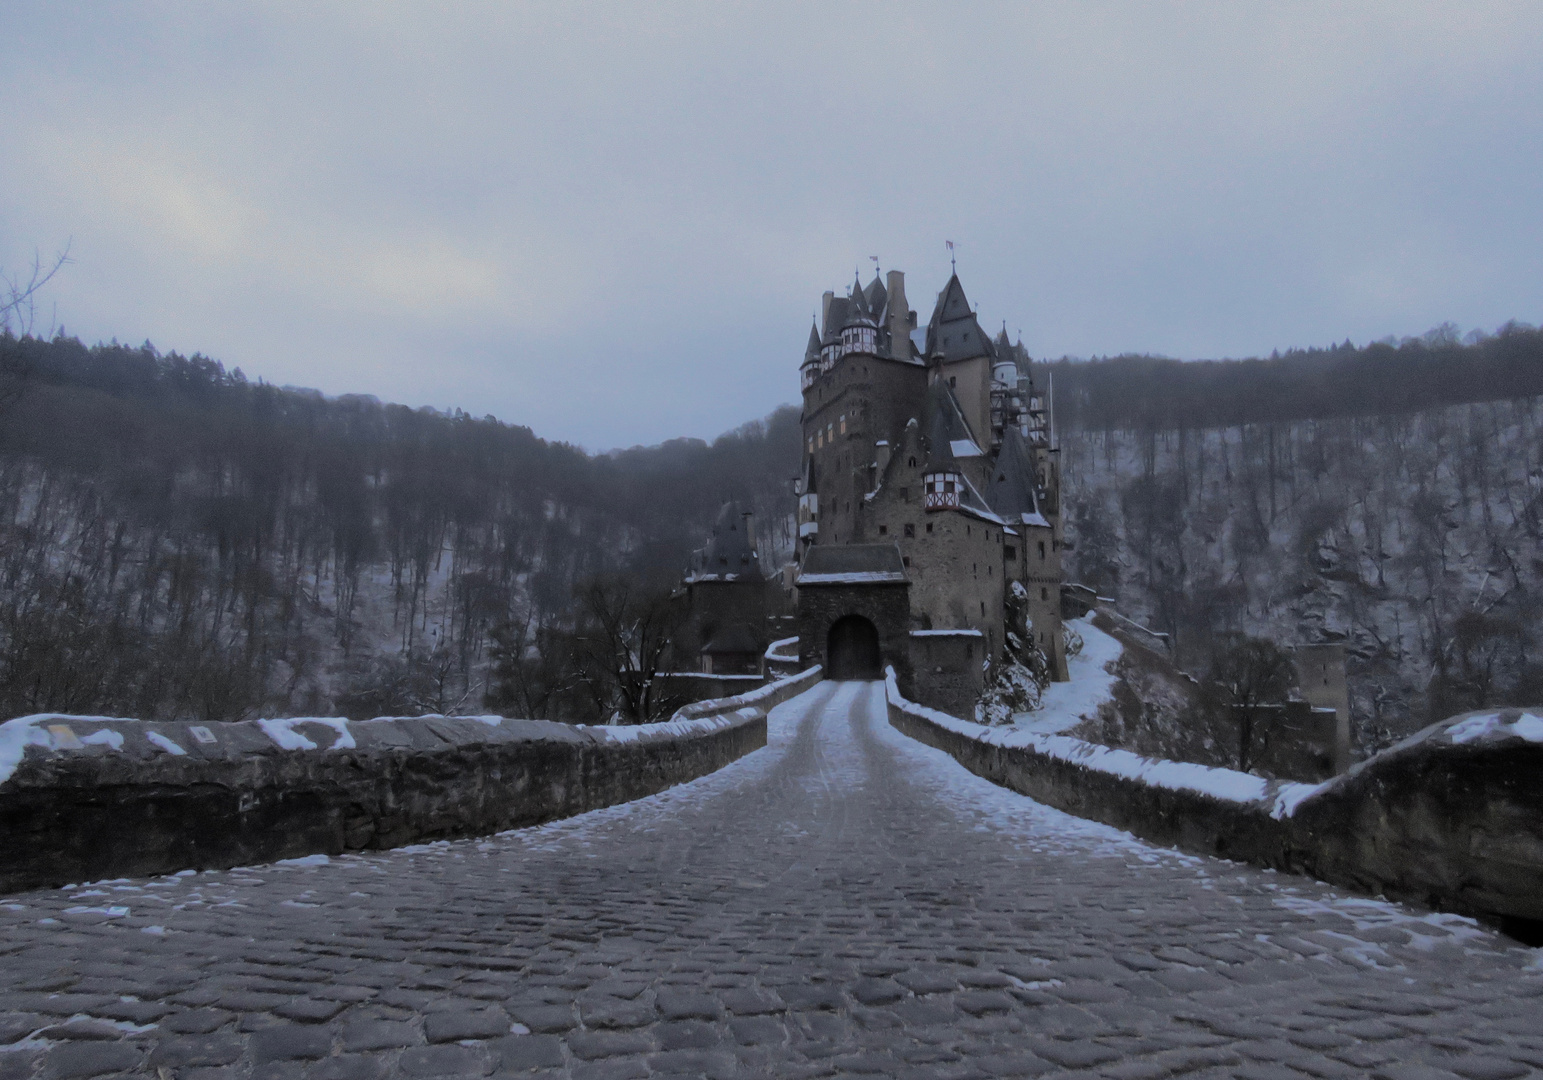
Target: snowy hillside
x=1415, y=537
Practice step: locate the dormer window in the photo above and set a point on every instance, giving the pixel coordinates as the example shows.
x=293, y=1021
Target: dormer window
x=942, y=490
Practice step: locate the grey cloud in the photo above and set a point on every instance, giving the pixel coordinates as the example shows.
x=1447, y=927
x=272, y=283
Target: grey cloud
x=611, y=222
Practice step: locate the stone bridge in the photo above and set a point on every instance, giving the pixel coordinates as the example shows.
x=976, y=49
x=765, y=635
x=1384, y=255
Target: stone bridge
x=844, y=902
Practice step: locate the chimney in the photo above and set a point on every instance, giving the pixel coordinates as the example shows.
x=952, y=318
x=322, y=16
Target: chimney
x=825, y=313
x=899, y=330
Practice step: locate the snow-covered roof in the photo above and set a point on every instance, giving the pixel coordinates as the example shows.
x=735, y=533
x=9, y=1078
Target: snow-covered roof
x=852, y=564
x=966, y=632
x=866, y=577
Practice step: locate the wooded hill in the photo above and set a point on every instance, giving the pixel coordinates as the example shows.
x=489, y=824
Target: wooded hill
x=1150, y=393
x=178, y=540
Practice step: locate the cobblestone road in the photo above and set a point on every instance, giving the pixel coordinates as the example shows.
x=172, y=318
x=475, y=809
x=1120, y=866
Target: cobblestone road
x=844, y=902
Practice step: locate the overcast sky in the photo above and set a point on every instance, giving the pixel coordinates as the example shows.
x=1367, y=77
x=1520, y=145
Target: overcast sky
x=612, y=222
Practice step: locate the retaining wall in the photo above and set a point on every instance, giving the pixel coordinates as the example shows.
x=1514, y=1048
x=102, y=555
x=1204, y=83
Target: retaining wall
x=1451, y=818
x=84, y=798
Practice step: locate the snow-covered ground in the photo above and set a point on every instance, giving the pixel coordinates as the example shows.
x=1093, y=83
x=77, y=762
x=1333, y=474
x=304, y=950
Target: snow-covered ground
x=1062, y=705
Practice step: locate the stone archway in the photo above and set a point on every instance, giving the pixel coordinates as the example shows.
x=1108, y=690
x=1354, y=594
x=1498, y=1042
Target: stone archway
x=852, y=650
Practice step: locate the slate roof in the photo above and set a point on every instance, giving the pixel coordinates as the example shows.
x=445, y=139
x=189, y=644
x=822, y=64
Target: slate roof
x=852, y=564
x=1013, y=491
x=729, y=554
x=858, y=313
x=733, y=638
x=812, y=350
x=877, y=296
x=954, y=331
x=948, y=433
x=835, y=319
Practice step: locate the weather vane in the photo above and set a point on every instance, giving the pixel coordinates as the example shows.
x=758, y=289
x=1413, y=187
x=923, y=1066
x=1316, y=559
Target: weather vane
x=952, y=268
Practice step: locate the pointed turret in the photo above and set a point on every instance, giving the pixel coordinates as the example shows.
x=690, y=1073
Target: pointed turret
x=942, y=478
x=954, y=334
x=809, y=370
x=860, y=332
x=730, y=552
x=1013, y=492
x=876, y=297
x=808, y=505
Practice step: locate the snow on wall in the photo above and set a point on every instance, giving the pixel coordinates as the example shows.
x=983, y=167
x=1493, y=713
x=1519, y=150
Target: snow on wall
x=1225, y=784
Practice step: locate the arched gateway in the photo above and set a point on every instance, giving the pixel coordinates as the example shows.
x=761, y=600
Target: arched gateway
x=854, y=611
x=853, y=649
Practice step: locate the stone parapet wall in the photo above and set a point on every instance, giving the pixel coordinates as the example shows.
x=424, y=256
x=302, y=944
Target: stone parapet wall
x=696, y=686
x=88, y=798
x=1451, y=818
x=766, y=698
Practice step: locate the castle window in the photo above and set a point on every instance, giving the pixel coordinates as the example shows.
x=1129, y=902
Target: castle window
x=811, y=444
x=929, y=526
x=843, y=423
x=905, y=494
x=983, y=607
x=911, y=462
x=883, y=530
x=1010, y=553
x=1041, y=549
x=1044, y=593
x=953, y=380
x=910, y=533
x=905, y=560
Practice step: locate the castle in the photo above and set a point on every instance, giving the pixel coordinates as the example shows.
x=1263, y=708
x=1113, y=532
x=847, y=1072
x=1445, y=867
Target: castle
x=929, y=525
x=929, y=499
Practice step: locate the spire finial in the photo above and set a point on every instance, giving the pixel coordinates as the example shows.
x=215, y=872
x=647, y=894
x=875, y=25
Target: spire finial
x=952, y=268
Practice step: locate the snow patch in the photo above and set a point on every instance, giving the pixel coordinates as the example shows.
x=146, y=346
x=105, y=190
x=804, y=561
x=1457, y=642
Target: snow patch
x=1064, y=705
x=24, y=731
x=155, y=738
x=306, y=860
x=105, y=737
x=283, y=732
x=1526, y=726
x=855, y=577
x=1290, y=796
x=1173, y=775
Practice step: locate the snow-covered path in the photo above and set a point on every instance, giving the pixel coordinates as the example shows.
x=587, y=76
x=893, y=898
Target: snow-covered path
x=844, y=902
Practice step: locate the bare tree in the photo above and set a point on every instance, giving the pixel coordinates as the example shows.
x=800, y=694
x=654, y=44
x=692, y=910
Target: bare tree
x=623, y=641
x=18, y=319
x=1251, y=672
x=18, y=293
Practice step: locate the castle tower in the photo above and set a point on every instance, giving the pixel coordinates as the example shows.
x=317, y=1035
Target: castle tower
x=959, y=352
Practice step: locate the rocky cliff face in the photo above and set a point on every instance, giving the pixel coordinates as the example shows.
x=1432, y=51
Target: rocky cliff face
x=1415, y=537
